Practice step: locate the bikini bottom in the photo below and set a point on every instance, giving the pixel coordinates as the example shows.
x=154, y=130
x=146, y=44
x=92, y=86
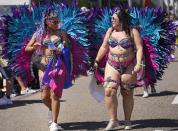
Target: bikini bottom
x=122, y=67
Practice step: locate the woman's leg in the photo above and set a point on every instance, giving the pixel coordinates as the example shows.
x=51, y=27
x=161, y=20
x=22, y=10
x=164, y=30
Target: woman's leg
x=128, y=103
x=145, y=91
x=112, y=78
x=55, y=105
x=111, y=90
x=153, y=90
x=45, y=91
x=128, y=79
x=45, y=97
x=22, y=84
x=9, y=85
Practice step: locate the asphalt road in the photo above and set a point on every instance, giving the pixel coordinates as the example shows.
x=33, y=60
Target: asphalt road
x=80, y=111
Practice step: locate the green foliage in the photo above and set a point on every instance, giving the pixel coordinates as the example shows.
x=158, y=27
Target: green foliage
x=85, y=3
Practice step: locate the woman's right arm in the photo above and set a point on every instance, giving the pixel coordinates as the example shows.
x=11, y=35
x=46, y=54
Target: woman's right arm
x=32, y=44
x=104, y=47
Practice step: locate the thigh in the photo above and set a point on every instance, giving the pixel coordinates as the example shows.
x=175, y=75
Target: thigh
x=45, y=93
x=45, y=90
x=127, y=77
x=54, y=96
x=111, y=75
x=128, y=81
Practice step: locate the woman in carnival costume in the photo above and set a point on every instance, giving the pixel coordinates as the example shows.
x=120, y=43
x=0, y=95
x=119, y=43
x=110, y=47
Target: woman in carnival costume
x=59, y=39
x=55, y=63
x=139, y=43
x=122, y=65
x=52, y=71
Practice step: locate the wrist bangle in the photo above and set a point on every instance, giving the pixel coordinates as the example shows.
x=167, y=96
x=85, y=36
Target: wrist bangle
x=142, y=65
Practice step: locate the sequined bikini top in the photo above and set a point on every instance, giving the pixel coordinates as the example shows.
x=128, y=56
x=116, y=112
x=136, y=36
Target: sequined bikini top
x=124, y=43
x=46, y=42
x=58, y=43
x=53, y=44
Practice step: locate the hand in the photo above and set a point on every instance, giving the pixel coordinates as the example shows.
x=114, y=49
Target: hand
x=137, y=68
x=96, y=65
x=59, y=51
x=35, y=46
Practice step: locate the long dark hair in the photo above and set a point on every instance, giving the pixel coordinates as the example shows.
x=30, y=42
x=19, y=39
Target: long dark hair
x=124, y=19
x=49, y=14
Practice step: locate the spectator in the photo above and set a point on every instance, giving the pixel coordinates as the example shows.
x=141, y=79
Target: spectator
x=7, y=83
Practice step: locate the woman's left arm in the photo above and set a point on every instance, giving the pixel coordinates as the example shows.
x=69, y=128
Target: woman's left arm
x=139, y=48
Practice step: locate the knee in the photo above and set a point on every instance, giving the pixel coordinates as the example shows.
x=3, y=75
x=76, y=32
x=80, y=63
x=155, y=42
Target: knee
x=107, y=92
x=127, y=94
x=54, y=96
x=45, y=96
x=111, y=92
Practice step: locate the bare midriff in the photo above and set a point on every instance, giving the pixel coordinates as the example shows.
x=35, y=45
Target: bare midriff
x=119, y=54
x=47, y=55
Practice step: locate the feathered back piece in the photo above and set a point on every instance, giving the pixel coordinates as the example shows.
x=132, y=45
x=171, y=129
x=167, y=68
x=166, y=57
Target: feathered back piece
x=102, y=24
x=157, y=33
x=18, y=30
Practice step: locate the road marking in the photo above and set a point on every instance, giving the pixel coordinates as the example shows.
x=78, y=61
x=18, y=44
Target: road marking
x=175, y=101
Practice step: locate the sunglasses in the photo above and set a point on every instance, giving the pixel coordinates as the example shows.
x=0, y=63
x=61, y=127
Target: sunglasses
x=53, y=21
x=113, y=18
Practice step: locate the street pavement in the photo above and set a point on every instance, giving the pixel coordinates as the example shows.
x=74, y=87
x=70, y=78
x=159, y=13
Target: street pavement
x=80, y=111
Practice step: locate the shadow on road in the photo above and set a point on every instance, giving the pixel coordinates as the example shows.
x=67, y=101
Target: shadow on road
x=17, y=103
x=176, y=129
x=162, y=93
x=155, y=123
x=137, y=125
x=84, y=125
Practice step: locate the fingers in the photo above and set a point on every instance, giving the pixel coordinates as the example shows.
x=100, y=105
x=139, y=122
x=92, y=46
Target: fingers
x=36, y=45
x=133, y=72
x=136, y=70
x=95, y=66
